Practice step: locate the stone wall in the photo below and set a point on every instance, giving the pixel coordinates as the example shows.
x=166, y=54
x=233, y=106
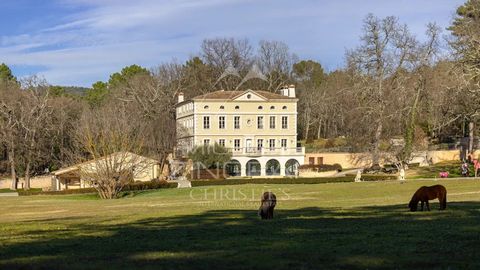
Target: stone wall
x=35, y=182
x=311, y=173
x=361, y=160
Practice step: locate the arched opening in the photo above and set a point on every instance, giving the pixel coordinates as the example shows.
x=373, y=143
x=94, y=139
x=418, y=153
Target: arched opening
x=253, y=168
x=273, y=167
x=233, y=168
x=291, y=167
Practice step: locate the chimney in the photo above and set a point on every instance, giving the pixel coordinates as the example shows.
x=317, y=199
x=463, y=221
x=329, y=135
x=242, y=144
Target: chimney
x=291, y=90
x=180, y=97
x=284, y=91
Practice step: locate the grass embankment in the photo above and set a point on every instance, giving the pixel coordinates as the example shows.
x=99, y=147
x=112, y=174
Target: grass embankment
x=452, y=167
x=318, y=226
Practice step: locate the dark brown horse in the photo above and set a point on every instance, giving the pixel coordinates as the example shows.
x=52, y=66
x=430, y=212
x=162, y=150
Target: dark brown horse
x=424, y=194
x=269, y=200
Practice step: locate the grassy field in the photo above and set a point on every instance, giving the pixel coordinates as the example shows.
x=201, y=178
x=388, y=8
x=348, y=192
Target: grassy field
x=321, y=226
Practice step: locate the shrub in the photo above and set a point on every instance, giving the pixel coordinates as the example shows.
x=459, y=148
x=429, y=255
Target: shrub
x=330, y=143
x=413, y=165
x=210, y=156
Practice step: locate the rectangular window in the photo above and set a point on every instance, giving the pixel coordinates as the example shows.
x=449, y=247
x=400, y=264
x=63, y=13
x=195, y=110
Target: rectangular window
x=206, y=122
x=272, y=122
x=221, y=142
x=320, y=160
x=236, y=122
x=272, y=144
x=311, y=160
x=284, y=122
x=206, y=141
x=260, y=122
x=236, y=144
x=259, y=144
x=221, y=122
x=284, y=143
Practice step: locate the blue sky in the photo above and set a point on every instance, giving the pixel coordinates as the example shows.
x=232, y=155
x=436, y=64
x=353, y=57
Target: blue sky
x=78, y=42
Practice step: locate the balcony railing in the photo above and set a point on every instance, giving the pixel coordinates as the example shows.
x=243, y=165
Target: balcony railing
x=266, y=151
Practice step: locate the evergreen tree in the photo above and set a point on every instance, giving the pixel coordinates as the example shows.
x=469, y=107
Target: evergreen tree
x=6, y=73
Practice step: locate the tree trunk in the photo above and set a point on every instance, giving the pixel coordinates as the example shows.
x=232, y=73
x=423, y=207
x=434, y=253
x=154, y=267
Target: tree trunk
x=471, y=126
x=307, y=125
x=319, y=129
x=27, y=176
x=376, y=144
x=162, y=161
x=11, y=157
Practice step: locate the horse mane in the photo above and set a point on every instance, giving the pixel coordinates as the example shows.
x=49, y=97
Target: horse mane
x=415, y=198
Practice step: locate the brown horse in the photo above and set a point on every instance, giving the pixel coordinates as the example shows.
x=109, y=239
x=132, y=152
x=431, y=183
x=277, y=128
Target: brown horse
x=424, y=194
x=269, y=200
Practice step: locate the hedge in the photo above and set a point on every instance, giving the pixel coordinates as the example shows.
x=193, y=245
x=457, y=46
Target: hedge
x=322, y=180
x=131, y=187
x=321, y=167
x=60, y=192
x=197, y=183
x=149, y=185
x=377, y=177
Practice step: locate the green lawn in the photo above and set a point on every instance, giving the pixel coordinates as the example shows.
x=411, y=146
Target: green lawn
x=321, y=226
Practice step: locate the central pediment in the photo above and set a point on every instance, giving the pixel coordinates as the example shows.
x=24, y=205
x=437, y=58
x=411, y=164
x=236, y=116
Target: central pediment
x=249, y=95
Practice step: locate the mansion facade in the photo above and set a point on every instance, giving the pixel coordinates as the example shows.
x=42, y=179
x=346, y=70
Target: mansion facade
x=258, y=127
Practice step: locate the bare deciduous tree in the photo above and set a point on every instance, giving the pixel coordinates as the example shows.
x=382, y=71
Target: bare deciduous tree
x=385, y=54
x=114, y=140
x=9, y=113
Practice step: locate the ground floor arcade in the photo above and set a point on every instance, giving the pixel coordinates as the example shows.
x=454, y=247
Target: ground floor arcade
x=264, y=166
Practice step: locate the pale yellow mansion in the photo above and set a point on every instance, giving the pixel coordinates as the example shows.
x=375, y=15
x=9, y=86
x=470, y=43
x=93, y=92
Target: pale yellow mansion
x=259, y=128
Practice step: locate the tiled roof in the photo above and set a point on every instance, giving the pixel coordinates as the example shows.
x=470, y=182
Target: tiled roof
x=226, y=95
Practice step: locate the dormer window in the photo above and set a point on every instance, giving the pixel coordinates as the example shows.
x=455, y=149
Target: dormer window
x=272, y=108
x=206, y=107
x=237, y=107
x=260, y=107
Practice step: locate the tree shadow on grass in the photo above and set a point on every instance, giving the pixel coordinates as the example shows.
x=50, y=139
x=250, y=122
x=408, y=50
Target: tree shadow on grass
x=308, y=238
